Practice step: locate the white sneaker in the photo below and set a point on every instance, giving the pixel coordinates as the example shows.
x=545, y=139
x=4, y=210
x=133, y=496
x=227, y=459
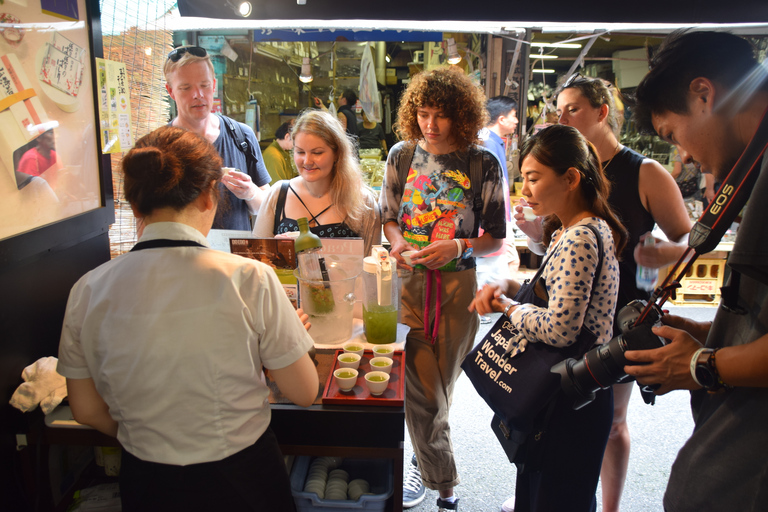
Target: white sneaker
x=509, y=505
x=413, y=488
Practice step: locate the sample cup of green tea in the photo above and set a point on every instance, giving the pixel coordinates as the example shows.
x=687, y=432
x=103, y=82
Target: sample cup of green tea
x=377, y=382
x=387, y=350
x=354, y=347
x=345, y=378
x=381, y=364
x=349, y=360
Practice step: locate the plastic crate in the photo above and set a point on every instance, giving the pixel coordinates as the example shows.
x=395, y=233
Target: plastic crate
x=378, y=473
x=701, y=284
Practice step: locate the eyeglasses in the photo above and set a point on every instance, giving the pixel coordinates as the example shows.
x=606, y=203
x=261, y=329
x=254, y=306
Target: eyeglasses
x=177, y=53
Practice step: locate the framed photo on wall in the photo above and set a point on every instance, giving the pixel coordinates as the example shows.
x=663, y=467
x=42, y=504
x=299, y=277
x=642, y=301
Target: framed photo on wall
x=51, y=167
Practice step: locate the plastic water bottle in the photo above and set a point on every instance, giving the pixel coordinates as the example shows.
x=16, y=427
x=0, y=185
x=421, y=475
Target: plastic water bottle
x=646, y=277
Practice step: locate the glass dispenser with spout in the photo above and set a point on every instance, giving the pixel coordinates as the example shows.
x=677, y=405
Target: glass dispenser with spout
x=381, y=296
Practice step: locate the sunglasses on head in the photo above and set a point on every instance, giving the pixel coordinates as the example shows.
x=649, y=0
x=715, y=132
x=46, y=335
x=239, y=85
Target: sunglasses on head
x=571, y=80
x=177, y=53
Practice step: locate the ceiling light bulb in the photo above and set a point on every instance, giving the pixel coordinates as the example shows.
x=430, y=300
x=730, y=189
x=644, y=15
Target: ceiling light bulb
x=306, y=71
x=245, y=9
x=453, y=53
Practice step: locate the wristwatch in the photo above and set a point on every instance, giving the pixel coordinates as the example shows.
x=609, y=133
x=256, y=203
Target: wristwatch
x=468, y=251
x=706, y=370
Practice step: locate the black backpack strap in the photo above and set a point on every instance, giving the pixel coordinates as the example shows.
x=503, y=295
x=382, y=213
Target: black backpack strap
x=236, y=132
x=404, y=160
x=280, y=206
x=476, y=176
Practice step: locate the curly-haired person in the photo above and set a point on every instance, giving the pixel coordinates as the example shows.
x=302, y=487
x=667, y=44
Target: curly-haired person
x=428, y=205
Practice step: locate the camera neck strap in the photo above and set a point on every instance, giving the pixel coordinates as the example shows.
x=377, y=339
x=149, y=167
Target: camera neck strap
x=719, y=215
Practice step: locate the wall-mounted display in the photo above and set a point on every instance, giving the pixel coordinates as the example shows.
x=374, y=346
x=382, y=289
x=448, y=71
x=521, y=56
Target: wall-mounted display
x=49, y=155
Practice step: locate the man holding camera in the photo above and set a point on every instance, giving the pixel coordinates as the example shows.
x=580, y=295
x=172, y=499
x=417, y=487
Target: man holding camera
x=706, y=94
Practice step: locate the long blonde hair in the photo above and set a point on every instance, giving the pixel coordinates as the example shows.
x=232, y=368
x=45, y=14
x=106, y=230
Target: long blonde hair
x=348, y=190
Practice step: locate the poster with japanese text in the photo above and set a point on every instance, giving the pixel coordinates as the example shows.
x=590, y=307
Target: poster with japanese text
x=49, y=156
x=114, y=106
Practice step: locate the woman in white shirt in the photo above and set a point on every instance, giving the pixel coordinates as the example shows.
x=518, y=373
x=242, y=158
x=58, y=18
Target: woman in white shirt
x=163, y=347
x=563, y=182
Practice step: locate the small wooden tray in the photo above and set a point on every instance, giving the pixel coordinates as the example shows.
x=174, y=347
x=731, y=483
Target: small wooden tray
x=359, y=395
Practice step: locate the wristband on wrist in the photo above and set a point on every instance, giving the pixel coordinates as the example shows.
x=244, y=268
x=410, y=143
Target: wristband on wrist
x=509, y=306
x=459, y=249
x=694, y=359
x=253, y=196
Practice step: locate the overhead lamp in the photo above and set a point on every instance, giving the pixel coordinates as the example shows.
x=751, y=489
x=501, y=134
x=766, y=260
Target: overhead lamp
x=540, y=56
x=453, y=52
x=544, y=70
x=244, y=9
x=388, y=58
x=556, y=45
x=306, y=71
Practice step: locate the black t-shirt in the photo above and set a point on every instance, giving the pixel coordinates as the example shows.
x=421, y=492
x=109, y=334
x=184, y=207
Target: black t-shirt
x=370, y=138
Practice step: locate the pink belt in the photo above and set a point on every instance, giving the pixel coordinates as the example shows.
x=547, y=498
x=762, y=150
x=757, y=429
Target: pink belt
x=438, y=300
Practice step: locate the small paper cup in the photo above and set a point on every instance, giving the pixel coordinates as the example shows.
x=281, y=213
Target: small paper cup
x=386, y=350
x=379, y=383
x=381, y=364
x=349, y=360
x=345, y=378
x=528, y=214
x=354, y=347
x=407, y=257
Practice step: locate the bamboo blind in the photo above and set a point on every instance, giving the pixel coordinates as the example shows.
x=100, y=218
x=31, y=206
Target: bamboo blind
x=134, y=33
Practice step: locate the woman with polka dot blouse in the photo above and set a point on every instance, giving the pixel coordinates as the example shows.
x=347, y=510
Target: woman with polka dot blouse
x=563, y=182
x=329, y=190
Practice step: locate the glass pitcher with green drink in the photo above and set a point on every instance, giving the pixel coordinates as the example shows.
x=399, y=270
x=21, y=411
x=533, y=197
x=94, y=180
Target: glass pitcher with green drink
x=381, y=296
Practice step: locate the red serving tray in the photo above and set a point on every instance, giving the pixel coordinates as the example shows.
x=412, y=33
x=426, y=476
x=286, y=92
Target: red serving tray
x=359, y=395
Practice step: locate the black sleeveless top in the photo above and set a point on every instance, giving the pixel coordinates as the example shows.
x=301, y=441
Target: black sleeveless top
x=286, y=225
x=624, y=173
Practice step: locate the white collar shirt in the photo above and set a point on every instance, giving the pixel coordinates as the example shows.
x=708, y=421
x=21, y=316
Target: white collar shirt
x=175, y=339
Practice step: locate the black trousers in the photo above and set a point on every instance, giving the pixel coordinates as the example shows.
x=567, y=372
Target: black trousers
x=254, y=479
x=571, y=459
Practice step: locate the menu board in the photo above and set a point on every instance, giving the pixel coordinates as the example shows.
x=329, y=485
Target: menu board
x=49, y=155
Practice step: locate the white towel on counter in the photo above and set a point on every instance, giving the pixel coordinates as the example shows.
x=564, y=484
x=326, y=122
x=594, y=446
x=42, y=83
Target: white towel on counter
x=42, y=386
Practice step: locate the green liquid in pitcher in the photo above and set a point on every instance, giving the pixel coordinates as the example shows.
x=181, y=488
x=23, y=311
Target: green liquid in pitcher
x=380, y=324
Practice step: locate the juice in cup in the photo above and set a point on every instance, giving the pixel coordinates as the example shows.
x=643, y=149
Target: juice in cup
x=380, y=323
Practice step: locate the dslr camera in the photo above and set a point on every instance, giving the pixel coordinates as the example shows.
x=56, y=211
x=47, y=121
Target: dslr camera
x=603, y=366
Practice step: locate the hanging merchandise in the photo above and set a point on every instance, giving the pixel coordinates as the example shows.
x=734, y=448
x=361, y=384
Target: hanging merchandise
x=369, y=90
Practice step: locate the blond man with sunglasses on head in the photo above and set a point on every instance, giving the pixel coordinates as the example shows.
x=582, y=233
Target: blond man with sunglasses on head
x=191, y=82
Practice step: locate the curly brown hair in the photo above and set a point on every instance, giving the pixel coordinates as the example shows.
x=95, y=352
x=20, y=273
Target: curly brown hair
x=450, y=90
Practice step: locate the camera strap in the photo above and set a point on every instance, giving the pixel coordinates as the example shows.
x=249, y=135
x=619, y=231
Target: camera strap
x=719, y=215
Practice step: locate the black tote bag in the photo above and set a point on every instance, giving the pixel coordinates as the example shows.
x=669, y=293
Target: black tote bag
x=518, y=389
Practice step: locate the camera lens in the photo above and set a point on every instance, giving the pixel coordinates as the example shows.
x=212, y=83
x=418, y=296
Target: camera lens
x=603, y=366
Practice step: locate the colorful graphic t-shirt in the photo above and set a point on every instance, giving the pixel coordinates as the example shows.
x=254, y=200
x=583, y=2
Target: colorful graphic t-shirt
x=435, y=202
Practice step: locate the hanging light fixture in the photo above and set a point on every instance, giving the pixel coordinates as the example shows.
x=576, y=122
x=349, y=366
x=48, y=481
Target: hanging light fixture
x=453, y=52
x=306, y=71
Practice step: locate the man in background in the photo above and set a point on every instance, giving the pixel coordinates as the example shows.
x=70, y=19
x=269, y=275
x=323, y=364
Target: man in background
x=707, y=94
x=191, y=82
x=277, y=156
x=345, y=112
x=502, y=113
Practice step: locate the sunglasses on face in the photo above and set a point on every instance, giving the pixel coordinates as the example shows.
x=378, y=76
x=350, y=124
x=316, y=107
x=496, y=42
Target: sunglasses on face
x=177, y=53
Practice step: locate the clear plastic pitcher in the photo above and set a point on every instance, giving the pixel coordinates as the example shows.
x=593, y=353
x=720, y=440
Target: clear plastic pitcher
x=381, y=297
x=329, y=304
